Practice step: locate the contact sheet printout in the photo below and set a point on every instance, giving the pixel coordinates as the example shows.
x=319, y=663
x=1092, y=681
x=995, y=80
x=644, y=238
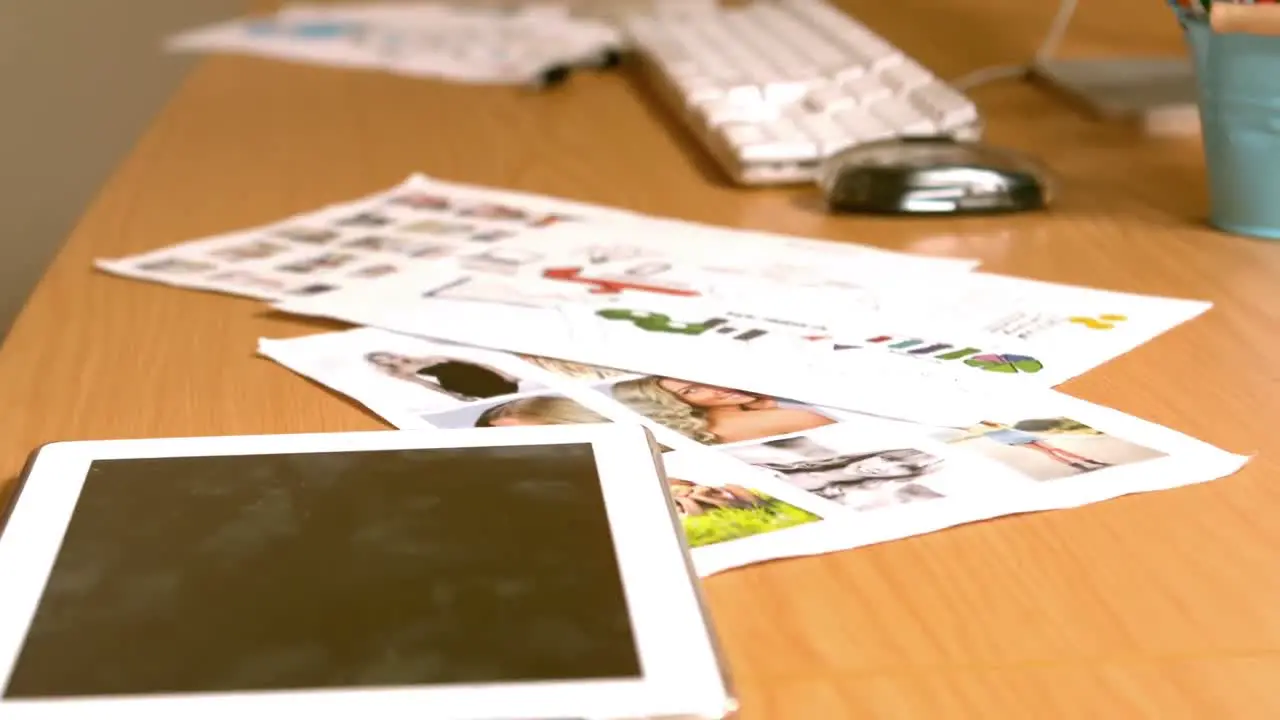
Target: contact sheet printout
x=756, y=477
x=512, y=244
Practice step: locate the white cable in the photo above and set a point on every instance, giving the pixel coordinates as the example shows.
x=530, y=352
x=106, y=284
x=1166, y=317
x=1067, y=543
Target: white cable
x=1048, y=46
x=1057, y=30
x=982, y=76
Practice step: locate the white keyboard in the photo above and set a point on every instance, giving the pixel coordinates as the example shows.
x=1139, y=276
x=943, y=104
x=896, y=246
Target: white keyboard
x=773, y=87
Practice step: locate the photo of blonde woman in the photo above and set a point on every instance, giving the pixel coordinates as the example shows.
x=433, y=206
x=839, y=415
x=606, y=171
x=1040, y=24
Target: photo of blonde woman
x=570, y=369
x=714, y=415
x=715, y=514
x=518, y=411
x=539, y=410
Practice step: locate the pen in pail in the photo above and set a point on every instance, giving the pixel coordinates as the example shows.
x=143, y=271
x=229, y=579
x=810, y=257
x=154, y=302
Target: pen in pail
x=1237, y=59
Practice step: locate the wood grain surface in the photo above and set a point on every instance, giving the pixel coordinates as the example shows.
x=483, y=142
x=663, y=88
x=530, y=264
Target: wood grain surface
x=1163, y=605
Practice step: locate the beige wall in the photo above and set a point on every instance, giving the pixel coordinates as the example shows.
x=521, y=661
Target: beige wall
x=79, y=81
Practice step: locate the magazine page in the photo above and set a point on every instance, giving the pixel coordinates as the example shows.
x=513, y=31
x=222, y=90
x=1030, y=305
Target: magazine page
x=418, y=224
x=655, y=286
x=723, y=504
x=469, y=237
x=759, y=355
x=785, y=341
x=757, y=477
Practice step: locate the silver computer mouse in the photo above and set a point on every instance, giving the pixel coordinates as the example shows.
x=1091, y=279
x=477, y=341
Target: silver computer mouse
x=932, y=176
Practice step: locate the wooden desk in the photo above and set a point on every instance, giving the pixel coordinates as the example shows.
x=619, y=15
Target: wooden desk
x=1158, y=606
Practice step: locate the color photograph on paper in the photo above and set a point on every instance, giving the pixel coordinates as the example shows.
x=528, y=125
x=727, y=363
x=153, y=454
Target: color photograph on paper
x=519, y=411
x=420, y=201
x=713, y=415
x=460, y=379
x=714, y=514
x=254, y=250
x=307, y=235
x=249, y=280
x=399, y=376
x=314, y=289
x=318, y=263
x=381, y=243
x=176, y=266
x=372, y=272
x=489, y=236
x=573, y=370
x=1047, y=448
x=431, y=251
x=364, y=219
x=446, y=201
x=847, y=471
x=439, y=228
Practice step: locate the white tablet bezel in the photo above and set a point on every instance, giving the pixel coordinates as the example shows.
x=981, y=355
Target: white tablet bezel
x=681, y=670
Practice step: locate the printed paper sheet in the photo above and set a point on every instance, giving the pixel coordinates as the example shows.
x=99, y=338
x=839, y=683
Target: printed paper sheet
x=965, y=332
x=784, y=315
x=755, y=477
x=455, y=42
x=452, y=231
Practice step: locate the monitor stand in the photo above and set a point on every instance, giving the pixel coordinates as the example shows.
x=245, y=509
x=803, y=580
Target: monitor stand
x=1160, y=93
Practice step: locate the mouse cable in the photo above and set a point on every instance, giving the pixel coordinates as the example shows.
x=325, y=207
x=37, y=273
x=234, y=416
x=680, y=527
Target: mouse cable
x=1048, y=46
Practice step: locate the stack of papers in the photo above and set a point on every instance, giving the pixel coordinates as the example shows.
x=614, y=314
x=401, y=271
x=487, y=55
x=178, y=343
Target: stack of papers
x=457, y=42
x=812, y=396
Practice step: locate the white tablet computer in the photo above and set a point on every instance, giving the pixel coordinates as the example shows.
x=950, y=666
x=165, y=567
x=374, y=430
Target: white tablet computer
x=513, y=573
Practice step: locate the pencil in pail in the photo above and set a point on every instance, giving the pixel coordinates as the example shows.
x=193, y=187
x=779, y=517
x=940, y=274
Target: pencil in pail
x=1238, y=76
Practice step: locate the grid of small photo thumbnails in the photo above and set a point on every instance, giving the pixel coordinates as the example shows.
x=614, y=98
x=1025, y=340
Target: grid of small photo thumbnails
x=322, y=252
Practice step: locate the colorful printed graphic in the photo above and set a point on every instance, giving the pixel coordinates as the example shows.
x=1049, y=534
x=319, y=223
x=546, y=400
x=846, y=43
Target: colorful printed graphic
x=611, y=286
x=1105, y=321
x=660, y=322
x=991, y=362
x=1005, y=363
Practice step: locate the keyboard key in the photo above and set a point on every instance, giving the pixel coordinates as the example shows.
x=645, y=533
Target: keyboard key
x=863, y=125
x=946, y=105
x=849, y=72
x=866, y=89
x=723, y=111
x=785, y=128
x=903, y=116
x=783, y=93
x=744, y=94
x=781, y=150
x=906, y=75
x=823, y=130
x=826, y=98
x=740, y=135
x=697, y=90
x=879, y=53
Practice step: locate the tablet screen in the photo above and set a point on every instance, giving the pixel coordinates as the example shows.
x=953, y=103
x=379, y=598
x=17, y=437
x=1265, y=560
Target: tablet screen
x=335, y=570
